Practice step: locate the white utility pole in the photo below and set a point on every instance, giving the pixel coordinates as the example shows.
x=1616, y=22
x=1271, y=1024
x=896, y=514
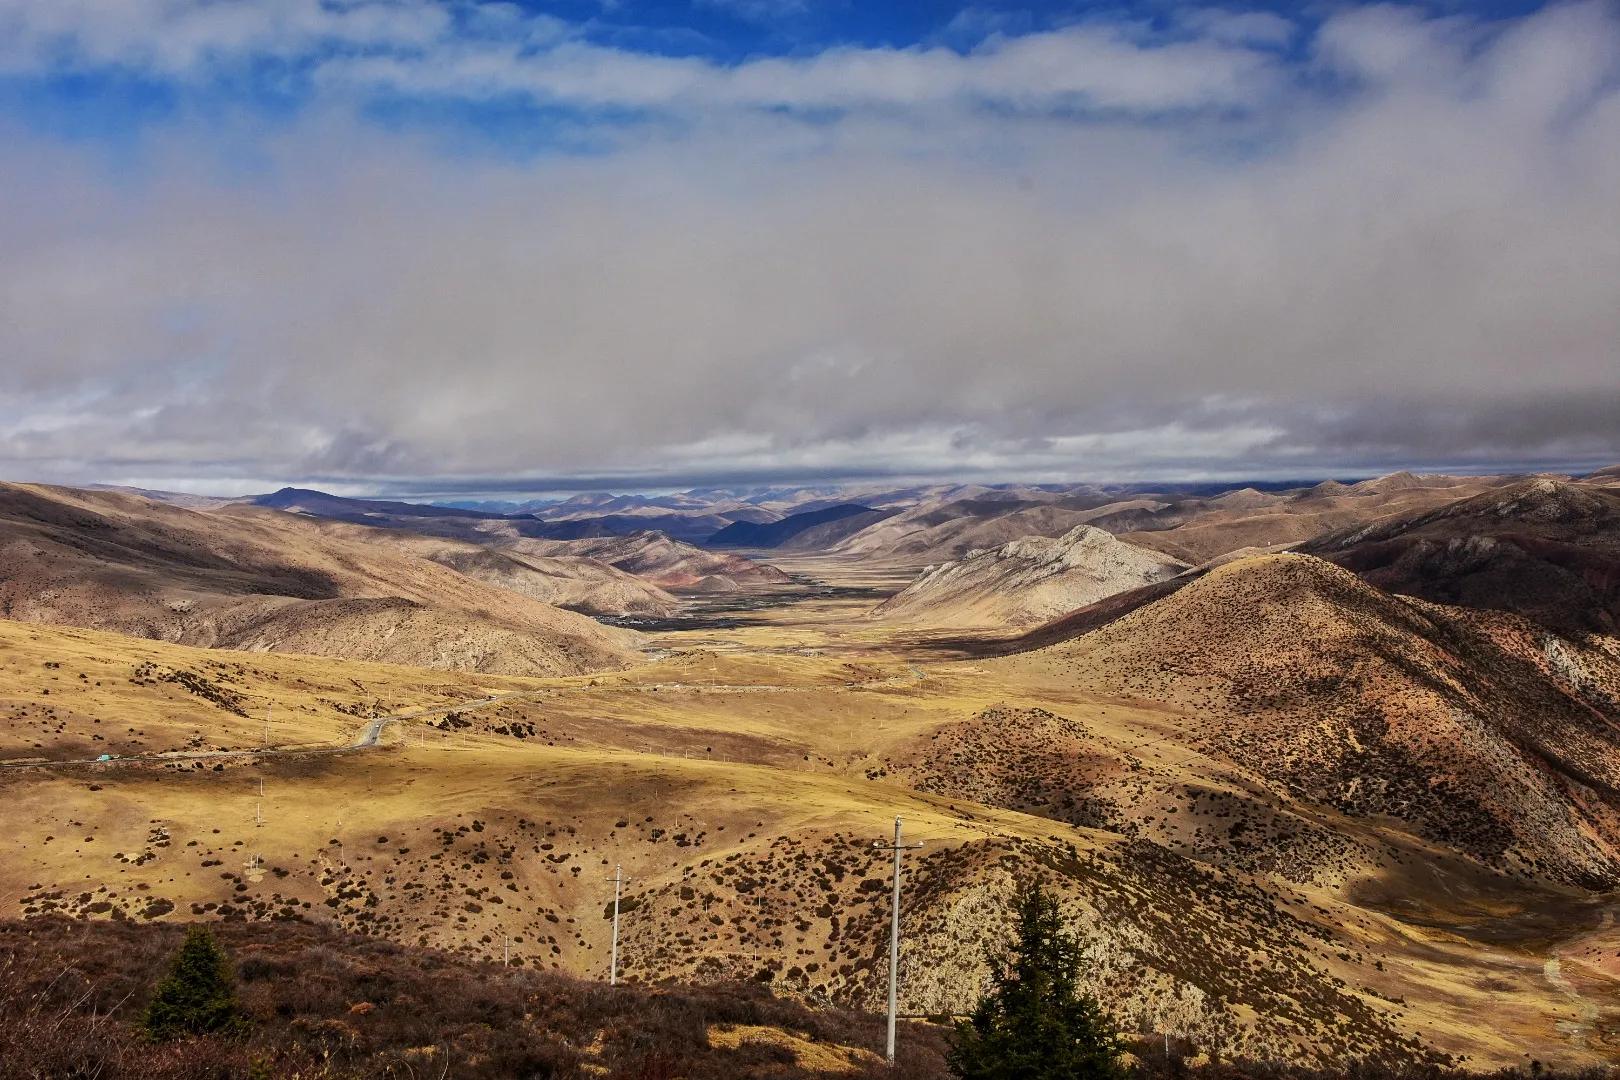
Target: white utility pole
x=894, y=928
x=613, y=963
x=506, y=950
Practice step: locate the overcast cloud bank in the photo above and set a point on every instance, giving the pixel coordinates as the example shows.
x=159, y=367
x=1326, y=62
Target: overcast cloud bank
x=1228, y=244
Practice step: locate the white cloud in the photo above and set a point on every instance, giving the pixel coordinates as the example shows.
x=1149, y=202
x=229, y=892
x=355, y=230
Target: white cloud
x=1426, y=269
x=470, y=50
x=1095, y=66
x=176, y=37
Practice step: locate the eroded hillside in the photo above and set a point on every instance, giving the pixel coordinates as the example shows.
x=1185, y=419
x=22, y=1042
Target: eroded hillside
x=1028, y=581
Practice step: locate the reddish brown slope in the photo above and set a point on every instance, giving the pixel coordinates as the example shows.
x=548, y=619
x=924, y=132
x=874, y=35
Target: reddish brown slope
x=1547, y=549
x=1477, y=731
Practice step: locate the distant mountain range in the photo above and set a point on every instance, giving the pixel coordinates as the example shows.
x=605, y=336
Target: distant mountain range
x=777, y=533
x=320, y=504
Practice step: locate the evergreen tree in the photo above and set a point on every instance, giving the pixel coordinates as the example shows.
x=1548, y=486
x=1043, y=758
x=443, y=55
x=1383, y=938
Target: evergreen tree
x=1034, y=1024
x=198, y=996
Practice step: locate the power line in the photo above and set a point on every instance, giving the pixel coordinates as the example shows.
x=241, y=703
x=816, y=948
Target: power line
x=894, y=927
x=613, y=962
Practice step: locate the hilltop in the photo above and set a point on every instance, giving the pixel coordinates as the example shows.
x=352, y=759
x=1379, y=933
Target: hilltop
x=1468, y=730
x=362, y=511
x=1543, y=548
x=1027, y=581
x=663, y=561
x=944, y=531
x=580, y=559
x=569, y=580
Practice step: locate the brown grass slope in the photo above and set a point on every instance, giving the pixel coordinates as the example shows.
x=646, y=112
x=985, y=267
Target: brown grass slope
x=1027, y=581
x=668, y=563
x=940, y=530
x=249, y=578
x=1200, y=529
x=738, y=872
x=1478, y=732
x=1192, y=528
x=741, y=790
x=633, y=545
x=576, y=582
x=1546, y=549
x=830, y=534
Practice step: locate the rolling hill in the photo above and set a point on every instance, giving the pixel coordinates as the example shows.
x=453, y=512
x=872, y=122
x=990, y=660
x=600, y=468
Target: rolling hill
x=740, y=790
x=1027, y=581
x=321, y=504
x=1546, y=549
x=257, y=579
x=1192, y=523
x=1473, y=731
x=572, y=581
x=1198, y=529
x=574, y=561
x=663, y=561
x=944, y=531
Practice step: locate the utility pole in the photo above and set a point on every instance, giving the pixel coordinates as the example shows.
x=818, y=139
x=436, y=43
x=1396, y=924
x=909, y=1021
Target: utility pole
x=613, y=962
x=894, y=928
x=506, y=950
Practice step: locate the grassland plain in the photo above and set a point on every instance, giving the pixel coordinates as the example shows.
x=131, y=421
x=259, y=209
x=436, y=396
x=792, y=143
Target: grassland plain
x=739, y=777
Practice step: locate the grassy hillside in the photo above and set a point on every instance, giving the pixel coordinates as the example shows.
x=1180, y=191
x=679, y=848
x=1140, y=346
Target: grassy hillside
x=740, y=783
x=255, y=579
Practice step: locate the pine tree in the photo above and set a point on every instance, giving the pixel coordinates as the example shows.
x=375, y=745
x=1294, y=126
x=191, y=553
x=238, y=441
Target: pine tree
x=198, y=996
x=1034, y=1024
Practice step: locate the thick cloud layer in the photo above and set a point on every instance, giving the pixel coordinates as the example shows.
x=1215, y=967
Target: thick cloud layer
x=1236, y=247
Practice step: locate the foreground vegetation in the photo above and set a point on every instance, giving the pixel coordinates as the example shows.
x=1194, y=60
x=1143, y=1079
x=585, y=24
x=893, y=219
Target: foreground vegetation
x=77, y=998
x=320, y=1003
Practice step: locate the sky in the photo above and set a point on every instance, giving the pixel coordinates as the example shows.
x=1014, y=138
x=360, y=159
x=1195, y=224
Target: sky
x=445, y=247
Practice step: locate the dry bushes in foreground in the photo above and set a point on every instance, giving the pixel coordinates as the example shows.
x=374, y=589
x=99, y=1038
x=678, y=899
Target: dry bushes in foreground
x=326, y=1005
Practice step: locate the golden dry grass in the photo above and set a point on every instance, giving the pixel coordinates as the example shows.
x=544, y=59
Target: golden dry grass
x=739, y=779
